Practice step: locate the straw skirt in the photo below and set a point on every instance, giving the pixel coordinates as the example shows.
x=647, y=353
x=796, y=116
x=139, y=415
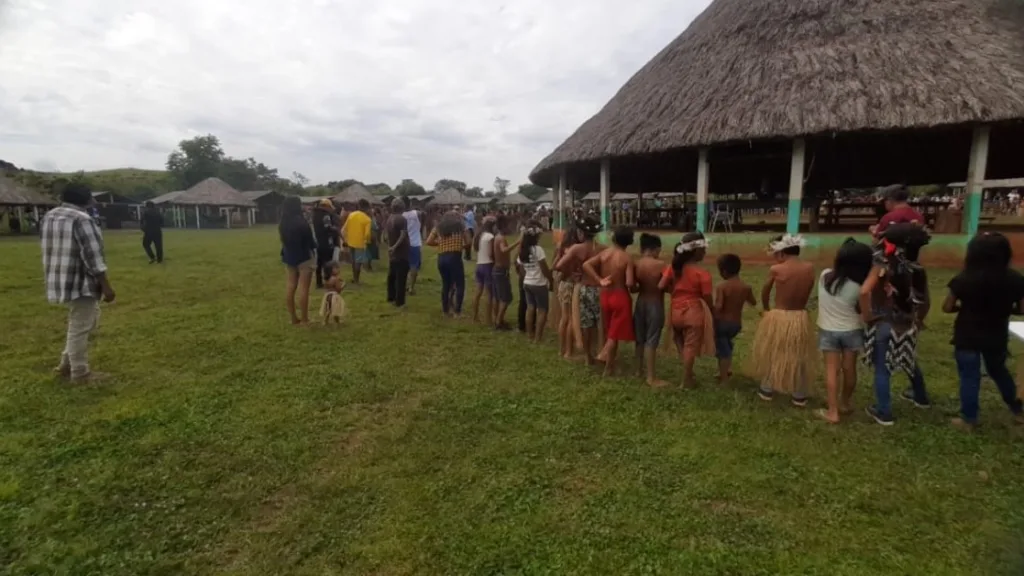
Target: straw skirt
x=785, y=356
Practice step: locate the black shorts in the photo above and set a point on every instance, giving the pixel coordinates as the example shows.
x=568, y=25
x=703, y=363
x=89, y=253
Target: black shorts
x=502, y=285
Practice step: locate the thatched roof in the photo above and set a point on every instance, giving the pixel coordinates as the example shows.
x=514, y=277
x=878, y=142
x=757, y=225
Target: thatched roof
x=255, y=195
x=166, y=198
x=14, y=194
x=213, y=192
x=749, y=70
x=515, y=200
x=354, y=193
x=450, y=197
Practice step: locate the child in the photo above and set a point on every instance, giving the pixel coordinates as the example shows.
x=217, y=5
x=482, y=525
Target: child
x=537, y=280
x=894, y=302
x=500, y=273
x=984, y=295
x=649, y=313
x=586, y=307
x=691, y=319
x=730, y=296
x=566, y=286
x=484, y=270
x=840, y=330
x=333, y=305
x=784, y=357
x=613, y=270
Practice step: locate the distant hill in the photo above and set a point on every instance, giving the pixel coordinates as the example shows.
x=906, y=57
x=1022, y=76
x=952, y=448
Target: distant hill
x=132, y=182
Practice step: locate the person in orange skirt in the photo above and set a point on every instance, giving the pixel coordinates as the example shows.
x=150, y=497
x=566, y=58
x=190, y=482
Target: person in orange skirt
x=693, y=326
x=613, y=270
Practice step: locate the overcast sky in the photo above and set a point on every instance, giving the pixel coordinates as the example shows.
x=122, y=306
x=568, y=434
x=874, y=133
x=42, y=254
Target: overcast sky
x=374, y=90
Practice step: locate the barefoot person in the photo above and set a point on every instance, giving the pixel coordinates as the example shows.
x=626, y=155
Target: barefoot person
x=298, y=253
x=414, y=220
x=693, y=326
x=501, y=250
x=76, y=275
x=566, y=286
x=484, y=273
x=840, y=330
x=649, y=312
x=586, y=305
x=332, y=306
x=614, y=271
x=784, y=356
x=537, y=280
x=730, y=296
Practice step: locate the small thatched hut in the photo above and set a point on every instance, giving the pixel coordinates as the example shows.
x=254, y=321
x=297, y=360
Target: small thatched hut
x=212, y=203
x=268, y=205
x=354, y=193
x=16, y=198
x=765, y=96
x=449, y=197
x=116, y=210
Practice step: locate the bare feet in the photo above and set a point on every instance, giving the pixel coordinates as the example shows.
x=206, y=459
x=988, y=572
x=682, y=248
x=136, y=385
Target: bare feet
x=62, y=372
x=827, y=416
x=689, y=384
x=658, y=384
x=89, y=378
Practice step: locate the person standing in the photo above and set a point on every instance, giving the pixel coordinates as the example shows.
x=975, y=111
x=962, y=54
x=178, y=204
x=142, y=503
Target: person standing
x=325, y=230
x=298, y=253
x=450, y=237
x=469, y=217
x=357, y=232
x=399, y=244
x=896, y=203
x=413, y=220
x=152, y=233
x=76, y=275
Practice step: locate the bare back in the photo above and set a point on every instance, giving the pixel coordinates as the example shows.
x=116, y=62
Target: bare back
x=794, y=281
x=730, y=297
x=648, y=276
x=502, y=259
x=614, y=265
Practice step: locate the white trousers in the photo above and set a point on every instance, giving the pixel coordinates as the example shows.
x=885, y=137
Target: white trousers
x=83, y=317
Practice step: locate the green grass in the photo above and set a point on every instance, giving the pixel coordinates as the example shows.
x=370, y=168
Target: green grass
x=229, y=442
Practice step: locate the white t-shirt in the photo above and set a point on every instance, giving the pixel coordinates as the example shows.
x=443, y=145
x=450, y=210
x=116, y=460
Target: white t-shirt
x=483, y=253
x=838, y=313
x=534, y=275
x=412, y=221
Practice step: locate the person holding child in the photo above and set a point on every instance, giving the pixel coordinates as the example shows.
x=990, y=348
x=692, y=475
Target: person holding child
x=784, y=356
x=691, y=319
x=840, y=329
x=649, y=312
x=730, y=296
x=983, y=296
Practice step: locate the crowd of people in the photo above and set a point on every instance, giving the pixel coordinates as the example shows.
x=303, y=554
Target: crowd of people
x=872, y=301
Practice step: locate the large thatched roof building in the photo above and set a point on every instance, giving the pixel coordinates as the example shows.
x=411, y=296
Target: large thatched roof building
x=212, y=203
x=353, y=193
x=14, y=194
x=864, y=92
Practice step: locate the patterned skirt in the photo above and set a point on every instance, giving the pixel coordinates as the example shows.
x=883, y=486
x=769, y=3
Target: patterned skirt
x=900, y=354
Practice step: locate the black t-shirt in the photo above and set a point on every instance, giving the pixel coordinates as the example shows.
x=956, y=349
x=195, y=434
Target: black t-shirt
x=985, y=307
x=396, y=225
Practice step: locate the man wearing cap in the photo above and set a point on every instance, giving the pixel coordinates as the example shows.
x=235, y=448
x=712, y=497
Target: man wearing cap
x=897, y=210
x=325, y=230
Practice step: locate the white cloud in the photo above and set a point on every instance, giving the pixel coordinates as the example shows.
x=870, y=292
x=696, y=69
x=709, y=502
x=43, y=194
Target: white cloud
x=335, y=89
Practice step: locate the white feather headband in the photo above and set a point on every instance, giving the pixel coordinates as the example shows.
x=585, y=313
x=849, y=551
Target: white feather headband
x=692, y=245
x=787, y=241
x=532, y=231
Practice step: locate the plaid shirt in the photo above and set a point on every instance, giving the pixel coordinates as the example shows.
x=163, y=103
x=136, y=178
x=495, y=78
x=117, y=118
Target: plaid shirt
x=72, y=254
x=451, y=243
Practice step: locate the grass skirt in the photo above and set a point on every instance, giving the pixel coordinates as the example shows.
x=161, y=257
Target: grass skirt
x=577, y=332
x=332, y=306
x=785, y=355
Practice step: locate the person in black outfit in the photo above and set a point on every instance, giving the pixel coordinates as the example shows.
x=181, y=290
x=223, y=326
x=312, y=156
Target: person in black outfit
x=398, y=253
x=325, y=229
x=152, y=233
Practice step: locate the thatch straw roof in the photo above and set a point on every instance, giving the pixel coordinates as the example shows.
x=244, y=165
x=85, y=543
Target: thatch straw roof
x=354, y=193
x=748, y=70
x=450, y=197
x=167, y=198
x=515, y=200
x=14, y=194
x=255, y=195
x=214, y=192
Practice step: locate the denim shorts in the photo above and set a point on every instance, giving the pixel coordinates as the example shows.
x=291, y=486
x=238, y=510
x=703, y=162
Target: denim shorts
x=847, y=340
x=725, y=336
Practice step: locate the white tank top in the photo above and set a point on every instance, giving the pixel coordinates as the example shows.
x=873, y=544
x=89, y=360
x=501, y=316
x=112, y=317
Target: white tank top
x=412, y=221
x=483, y=255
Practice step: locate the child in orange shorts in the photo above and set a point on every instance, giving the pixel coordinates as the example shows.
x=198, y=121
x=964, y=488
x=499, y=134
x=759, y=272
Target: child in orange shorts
x=693, y=327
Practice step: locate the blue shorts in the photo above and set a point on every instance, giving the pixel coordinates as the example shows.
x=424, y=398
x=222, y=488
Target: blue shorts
x=725, y=334
x=848, y=340
x=415, y=257
x=360, y=255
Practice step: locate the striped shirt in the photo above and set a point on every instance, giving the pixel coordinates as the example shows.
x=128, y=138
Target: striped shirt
x=72, y=254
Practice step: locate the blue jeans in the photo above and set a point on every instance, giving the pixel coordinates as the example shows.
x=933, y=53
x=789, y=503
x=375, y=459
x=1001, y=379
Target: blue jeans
x=968, y=365
x=449, y=264
x=883, y=387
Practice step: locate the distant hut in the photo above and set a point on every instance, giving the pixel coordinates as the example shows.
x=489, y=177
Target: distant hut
x=354, y=193
x=116, y=210
x=771, y=96
x=449, y=197
x=268, y=205
x=16, y=198
x=212, y=203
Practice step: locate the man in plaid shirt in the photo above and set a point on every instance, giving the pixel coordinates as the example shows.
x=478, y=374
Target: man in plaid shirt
x=76, y=275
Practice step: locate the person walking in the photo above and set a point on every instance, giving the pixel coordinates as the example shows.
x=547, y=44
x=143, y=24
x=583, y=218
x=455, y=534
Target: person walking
x=399, y=251
x=76, y=276
x=325, y=230
x=357, y=231
x=414, y=220
x=450, y=238
x=152, y=233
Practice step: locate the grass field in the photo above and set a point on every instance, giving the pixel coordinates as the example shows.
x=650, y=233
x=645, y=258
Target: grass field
x=228, y=442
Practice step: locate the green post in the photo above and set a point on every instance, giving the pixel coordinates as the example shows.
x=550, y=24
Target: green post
x=702, y=217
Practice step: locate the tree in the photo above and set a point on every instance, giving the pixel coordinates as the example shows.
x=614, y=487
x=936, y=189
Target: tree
x=475, y=192
x=409, y=187
x=532, y=191
x=196, y=160
x=342, y=184
x=446, y=183
x=300, y=179
x=500, y=187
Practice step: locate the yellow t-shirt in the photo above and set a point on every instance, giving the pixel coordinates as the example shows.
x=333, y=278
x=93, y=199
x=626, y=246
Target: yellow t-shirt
x=357, y=230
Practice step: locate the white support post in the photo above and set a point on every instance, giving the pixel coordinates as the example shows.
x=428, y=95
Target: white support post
x=703, y=177
x=606, y=185
x=35, y=212
x=796, y=187
x=562, y=184
x=975, y=179
x=197, y=217
x=229, y=218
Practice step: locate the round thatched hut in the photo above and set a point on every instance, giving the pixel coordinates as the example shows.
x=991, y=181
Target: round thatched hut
x=779, y=97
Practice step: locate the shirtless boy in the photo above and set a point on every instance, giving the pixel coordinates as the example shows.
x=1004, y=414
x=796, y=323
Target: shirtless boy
x=502, y=262
x=784, y=356
x=649, y=313
x=730, y=296
x=613, y=270
x=586, y=292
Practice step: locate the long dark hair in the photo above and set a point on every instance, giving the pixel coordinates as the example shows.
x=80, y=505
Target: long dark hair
x=451, y=224
x=681, y=258
x=903, y=267
x=292, y=219
x=530, y=238
x=853, y=263
x=988, y=257
x=488, y=227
